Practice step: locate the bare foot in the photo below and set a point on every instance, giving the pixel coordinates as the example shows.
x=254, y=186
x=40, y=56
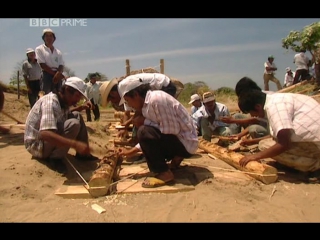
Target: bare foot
x=166, y=176
x=175, y=162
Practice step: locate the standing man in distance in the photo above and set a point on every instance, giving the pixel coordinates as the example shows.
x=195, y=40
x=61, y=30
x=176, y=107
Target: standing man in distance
x=31, y=71
x=302, y=63
x=51, y=62
x=93, y=94
x=268, y=74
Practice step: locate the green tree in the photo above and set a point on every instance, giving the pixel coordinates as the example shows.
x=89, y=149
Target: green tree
x=101, y=77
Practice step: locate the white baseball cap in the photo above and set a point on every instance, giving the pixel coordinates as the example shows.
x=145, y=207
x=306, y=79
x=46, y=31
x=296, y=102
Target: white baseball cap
x=193, y=98
x=29, y=50
x=127, y=84
x=288, y=69
x=208, y=97
x=78, y=84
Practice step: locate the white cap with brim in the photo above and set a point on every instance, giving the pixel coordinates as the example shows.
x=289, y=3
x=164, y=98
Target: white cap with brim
x=105, y=89
x=47, y=30
x=78, y=84
x=29, y=50
x=193, y=98
x=127, y=84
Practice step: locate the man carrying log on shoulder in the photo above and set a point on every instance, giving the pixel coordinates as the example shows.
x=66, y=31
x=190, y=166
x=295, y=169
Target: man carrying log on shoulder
x=294, y=126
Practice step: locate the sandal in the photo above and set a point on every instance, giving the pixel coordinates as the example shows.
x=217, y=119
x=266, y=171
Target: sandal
x=153, y=182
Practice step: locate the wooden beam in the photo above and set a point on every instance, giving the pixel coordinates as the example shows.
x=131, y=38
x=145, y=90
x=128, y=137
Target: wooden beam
x=262, y=172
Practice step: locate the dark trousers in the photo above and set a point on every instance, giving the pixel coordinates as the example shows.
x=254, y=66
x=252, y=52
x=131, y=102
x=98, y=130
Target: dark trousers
x=95, y=110
x=301, y=74
x=159, y=148
x=47, y=84
x=35, y=89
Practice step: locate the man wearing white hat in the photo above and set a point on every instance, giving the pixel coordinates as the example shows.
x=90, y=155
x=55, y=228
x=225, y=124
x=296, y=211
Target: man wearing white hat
x=31, y=71
x=51, y=62
x=165, y=129
x=52, y=128
x=195, y=100
x=288, y=77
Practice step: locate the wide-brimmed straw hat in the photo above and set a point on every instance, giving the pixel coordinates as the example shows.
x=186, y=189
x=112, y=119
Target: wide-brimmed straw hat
x=105, y=90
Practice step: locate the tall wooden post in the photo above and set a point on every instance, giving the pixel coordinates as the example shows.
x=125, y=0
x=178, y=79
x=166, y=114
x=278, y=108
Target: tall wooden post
x=162, y=66
x=18, y=84
x=127, y=67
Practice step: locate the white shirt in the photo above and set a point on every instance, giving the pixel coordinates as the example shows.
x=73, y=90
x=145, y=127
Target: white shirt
x=221, y=110
x=268, y=64
x=162, y=110
x=288, y=79
x=51, y=59
x=92, y=92
x=297, y=112
x=301, y=60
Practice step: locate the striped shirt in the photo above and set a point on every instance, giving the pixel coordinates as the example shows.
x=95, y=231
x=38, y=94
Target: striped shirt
x=298, y=112
x=171, y=117
x=46, y=114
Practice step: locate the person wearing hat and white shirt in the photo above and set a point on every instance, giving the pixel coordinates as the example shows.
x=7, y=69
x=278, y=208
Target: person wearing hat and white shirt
x=52, y=128
x=302, y=62
x=195, y=100
x=207, y=118
x=165, y=129
x=288, y=77
x=269, y=72
x=51, y=61
x=31, y=72
x=93, y=94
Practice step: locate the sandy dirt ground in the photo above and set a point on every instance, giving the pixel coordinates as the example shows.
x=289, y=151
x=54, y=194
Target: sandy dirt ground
x=213, y=191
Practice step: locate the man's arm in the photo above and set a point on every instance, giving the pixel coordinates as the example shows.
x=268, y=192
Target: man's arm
x=283, y=144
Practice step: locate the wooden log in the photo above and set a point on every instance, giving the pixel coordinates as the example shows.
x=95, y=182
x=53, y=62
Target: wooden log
x=262, y=172
x=289, y=89
x=102, y=177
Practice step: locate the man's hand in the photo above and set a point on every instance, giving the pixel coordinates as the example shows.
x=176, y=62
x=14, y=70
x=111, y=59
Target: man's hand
x=57, y=77
x=81, y=148
x=138, y=121
x=246, y=159
x=128, y=152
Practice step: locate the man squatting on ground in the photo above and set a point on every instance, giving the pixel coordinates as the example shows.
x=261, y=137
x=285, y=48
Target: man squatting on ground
x=165, y=130
x=52, y=128
x=294, y=126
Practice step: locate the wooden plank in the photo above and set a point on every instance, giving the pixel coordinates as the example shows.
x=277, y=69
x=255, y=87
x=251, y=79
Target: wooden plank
x=73, y=191
x=134, y=186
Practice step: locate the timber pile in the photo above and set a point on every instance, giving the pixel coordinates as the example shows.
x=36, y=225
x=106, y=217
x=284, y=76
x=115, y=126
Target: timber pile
x=262, y=172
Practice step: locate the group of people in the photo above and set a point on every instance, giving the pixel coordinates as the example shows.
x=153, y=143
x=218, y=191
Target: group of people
x=283, y=124
x=302, y=62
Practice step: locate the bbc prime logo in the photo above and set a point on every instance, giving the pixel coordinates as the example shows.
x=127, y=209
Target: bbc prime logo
x=58, y=22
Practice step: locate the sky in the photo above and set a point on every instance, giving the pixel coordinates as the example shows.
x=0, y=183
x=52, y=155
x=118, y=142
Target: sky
x=217, y=51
